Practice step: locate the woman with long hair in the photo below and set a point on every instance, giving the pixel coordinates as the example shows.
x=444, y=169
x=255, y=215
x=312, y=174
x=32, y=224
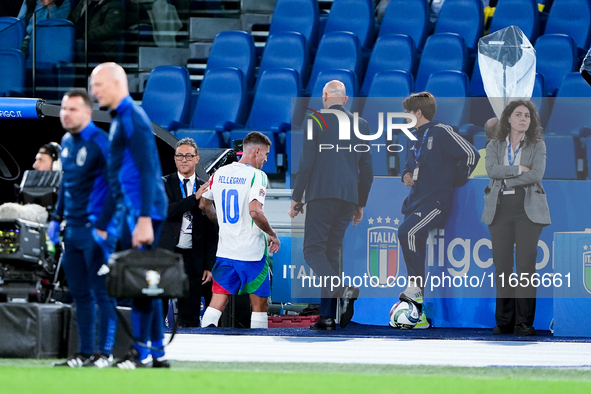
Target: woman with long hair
x=515, y=211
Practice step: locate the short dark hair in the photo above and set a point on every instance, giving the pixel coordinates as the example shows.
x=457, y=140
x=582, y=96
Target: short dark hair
x=187, y=141
x=255, y=137
x=424, y=101
x=532, y=134
x=78, y=92
x=53, y=149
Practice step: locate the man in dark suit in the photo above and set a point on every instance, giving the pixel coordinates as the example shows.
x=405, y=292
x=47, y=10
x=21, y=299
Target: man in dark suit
x=337, y=181
x=187, y=231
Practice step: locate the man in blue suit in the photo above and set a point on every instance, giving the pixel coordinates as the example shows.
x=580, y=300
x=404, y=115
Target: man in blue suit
x=337, y=183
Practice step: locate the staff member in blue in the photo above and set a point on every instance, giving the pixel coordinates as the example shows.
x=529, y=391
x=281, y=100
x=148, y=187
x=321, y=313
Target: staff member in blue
x=516, y=210
x=82, y=194
x=437, y=162
x=135, y=176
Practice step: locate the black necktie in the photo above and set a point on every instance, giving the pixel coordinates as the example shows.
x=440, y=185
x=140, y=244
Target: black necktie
x=185, y=181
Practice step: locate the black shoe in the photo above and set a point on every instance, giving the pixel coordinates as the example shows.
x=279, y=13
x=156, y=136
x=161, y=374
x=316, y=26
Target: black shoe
x=523, y=329
x=75, y=362
x=99, y=360
x=161, y=362
x=132, y=361
x=502, y=330
x=348, y=297
x=324, y=323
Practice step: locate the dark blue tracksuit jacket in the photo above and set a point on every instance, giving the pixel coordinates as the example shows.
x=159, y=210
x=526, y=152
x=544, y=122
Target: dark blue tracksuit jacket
x=134, y=166
x=446, y=160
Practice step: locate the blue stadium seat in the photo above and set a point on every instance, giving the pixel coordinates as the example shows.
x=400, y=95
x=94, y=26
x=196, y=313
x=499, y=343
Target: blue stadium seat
x=442, y=52
x=390, y=52
x=50, y=50
x=521, y=13
x=556, y=57
x=220, y=108
x=355, y=16
x=271, y=113
x=234, y=48
x=561, y=157
x=538, y=97
x=12, y=81
x=571, y=17
x=451, y=90
x=297, y=15
x=570, y=111
x=337, y=50
x=203, y=138
x=272, y=106
x=396, y=83
x=476, y=85
x=407, y=17
x=570, y=116
x=167, y=96
x=479, y=141
x=345, y=76
x=12, y=32
x=286, y=50
x=294, y=143
x=464, y=17
x=386, y=94
x=54, y=57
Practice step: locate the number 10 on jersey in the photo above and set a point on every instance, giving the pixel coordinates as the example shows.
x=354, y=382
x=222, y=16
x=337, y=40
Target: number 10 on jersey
x=230, y=207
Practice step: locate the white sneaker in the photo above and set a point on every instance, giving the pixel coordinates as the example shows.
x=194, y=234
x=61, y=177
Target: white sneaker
x=423, y=323
x=414, y=293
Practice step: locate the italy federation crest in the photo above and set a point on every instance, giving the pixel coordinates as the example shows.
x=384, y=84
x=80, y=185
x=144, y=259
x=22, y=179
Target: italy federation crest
x=382, y=254
x=587, y=270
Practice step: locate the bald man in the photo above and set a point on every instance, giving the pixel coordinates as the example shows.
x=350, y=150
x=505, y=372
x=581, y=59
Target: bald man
x=135, y=174
x=337, y=184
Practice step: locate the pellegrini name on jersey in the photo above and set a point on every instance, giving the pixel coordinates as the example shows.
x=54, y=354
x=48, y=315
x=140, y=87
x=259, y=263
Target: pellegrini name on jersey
x=230, y=180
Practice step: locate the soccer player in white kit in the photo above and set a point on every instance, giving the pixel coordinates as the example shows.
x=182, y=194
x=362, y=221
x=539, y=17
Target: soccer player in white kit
x=245, y=235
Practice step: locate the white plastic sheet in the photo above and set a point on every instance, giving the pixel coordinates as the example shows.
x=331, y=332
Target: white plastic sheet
x=507, y=63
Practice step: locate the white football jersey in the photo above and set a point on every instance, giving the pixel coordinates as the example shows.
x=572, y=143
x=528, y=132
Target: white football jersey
x=232, y=188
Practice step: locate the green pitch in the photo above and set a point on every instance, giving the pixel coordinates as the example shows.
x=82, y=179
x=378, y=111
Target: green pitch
x=36, y=376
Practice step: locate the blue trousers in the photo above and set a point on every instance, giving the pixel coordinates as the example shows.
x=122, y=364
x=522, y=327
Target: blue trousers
x=81, y=261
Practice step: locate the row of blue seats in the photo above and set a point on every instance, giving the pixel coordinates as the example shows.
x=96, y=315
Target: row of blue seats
x=215, y=121
x=464, y=17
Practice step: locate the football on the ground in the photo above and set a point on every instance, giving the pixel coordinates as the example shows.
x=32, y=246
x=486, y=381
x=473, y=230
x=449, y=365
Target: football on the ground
x=404, y=315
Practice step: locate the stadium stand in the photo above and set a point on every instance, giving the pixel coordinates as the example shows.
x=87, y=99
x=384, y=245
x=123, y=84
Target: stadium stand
x=464, y=17
x=220, y=108
x=337, y=50
x=556, y=57
x=442, y=51
x=521, y=13
x=286, y=50
x=297, y=15
x=390, y=52
x=407, y=17
x=234, y=49
x=355, y=16
x=571, y=17
x=167, y=97
x=12, y=83
x=12, y=32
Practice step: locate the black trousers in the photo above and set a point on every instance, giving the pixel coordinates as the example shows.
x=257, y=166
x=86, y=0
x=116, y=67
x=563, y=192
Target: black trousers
x=325, y=226
x=189, y=308
x=515, y=242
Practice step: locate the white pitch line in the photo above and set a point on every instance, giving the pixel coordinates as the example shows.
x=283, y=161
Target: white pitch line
x=389, y=351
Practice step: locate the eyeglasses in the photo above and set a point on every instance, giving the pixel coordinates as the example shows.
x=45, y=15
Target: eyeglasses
x=187, y=157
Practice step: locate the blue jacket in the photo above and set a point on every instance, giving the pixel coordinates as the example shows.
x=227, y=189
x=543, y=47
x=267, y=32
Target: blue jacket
x=84, y=187
x=446, y=160
x=134, y=168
